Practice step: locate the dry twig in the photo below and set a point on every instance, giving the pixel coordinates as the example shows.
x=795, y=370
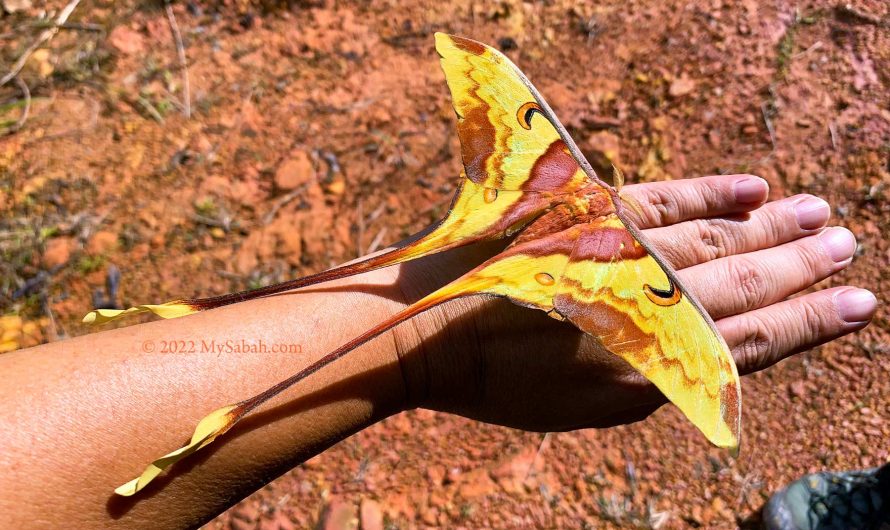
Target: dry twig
x=769, y=124
x=832, y=131
x=183, y=63
x=150, y=109
x=545, y=444
x=26, y=92
x=360, y=215
x=44, y=37
x=376, y=242
x=282, y=201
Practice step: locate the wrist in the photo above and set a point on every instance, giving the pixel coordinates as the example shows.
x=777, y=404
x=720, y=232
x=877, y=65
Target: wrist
x=438, y=351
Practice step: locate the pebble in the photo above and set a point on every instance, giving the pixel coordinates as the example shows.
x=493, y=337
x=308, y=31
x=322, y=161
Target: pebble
x=126, y=41
x=371, y=515
x=294, y=171
x=58, y=251
x=681, y=87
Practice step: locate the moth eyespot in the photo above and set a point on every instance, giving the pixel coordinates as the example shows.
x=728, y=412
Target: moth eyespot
x=490, y=195
x=544, y=279
x=525, y=113
x=661, y=297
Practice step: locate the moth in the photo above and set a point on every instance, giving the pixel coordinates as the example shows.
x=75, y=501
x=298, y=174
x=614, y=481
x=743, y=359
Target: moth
x=576, y=254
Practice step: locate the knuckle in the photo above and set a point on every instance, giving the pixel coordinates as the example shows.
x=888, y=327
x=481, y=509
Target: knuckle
x=673, y=250
x=757, y=344
x=814, y=320
x=662, y=209
x=776, y=225
x=714, y=240
x=751, y=283
x=715, y=196
x=774, y=221
x=812, y=259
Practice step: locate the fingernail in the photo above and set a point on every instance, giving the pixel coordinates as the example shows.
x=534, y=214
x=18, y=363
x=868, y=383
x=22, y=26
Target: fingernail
x=855, y=305
x=751, y=189
x=839, y=243
x=812, y=213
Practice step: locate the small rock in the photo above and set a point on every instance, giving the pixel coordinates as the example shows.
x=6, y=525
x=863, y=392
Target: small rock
x=294, y=171
x=436, y=475
x=11, y=325
x=477, y=483
x=279, y=521
x=507, y=43
x=681, y=86
x=32, y=334
x=102, y=243
x=402, y=423
x=515, y=471
x=749, y=130
x=10, y=333
x=429, y=516
x=337, y=186
x=659, y=123
x=58, y=251
x=240, y=524
x=797, y=389
x=11, y=6
x=339, y=515
x=40, y=62
x=126, y=41
x=719, y=507
x=246, y=512
x=371, y=515
x=399, y=506
x=285, y=235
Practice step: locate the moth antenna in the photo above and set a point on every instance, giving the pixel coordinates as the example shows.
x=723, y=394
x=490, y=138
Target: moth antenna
x=631, y=202
x=617, y=178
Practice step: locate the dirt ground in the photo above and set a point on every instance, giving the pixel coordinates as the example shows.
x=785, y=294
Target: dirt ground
x=319, y=131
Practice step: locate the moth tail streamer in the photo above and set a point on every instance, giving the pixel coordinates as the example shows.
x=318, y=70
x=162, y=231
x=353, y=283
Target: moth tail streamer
x=435, y=241
x=221, y=420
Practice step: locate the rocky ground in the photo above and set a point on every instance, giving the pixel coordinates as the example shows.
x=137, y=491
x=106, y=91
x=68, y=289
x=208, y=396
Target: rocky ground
x=318, y=131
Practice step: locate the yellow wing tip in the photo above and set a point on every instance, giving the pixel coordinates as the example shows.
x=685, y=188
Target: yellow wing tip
x=446, y=43
x=729, y=442
x=208, y=429
x=128, y=489
x=725, y=437
x=167, y=310
x=101, y=316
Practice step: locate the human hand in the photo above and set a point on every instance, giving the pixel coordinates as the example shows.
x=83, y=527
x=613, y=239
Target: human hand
x=513, y=366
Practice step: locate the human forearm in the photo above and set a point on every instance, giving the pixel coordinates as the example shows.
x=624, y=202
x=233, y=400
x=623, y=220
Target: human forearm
x=104, y=405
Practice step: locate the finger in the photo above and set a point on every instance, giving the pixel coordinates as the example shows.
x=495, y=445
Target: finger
x=666, y=203
x=702, y=240
x=736, y=284
x=760, y=339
